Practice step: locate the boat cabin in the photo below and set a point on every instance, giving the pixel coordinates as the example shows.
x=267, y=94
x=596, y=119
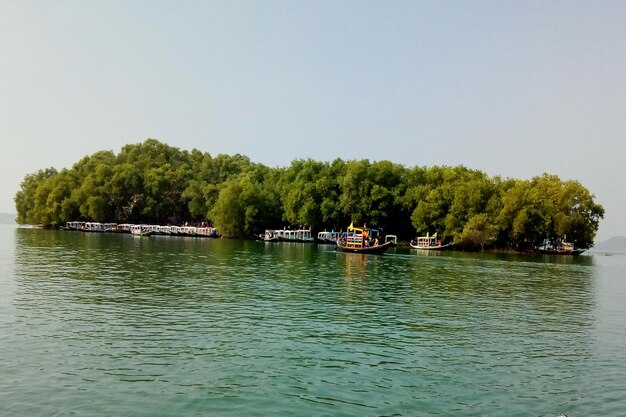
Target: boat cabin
x=427, y=241
x=361, y=237
x=75, y=225
x=328, y=237
x=391, y=238
x=93, y=227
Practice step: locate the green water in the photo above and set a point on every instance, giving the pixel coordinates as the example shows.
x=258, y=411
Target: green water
x=114, y=325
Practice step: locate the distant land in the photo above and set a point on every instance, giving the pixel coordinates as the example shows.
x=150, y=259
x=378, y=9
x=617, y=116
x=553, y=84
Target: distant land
x=616, y=244
x=7, y=218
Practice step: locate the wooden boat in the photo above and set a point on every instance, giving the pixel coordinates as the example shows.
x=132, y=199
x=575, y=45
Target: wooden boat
x=561, y=247
x=429, y=243
x=362, y=240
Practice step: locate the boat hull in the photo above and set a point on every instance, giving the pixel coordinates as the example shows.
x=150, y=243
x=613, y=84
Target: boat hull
x=436, y=247
x=573, y=252
x=144, y=233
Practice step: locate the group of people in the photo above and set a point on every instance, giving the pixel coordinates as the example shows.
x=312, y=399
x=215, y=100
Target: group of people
x=367, y=241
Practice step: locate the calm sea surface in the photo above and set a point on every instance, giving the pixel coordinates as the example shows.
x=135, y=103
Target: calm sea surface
x=115, y=325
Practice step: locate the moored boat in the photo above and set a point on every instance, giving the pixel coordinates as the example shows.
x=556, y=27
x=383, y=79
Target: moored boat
x=270, y=235
x=287, y=235
x=393, y=239
x=206, y=231
x=362, y=240
x=141, y=230
x=123, y=228
x=96, y=227
x=328, y=237
x=429, y=243
x=300, y=235
x=560, y=247
x=75, y=226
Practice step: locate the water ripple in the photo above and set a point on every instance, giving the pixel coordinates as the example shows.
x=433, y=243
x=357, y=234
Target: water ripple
x=110, y=325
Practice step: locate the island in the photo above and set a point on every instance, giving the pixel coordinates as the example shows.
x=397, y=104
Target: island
x=156, y=183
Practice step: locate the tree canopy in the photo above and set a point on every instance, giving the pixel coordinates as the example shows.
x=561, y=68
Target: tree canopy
x=152, y=182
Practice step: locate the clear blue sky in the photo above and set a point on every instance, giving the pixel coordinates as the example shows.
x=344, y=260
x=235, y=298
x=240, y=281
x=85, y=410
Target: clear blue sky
x=512, y=88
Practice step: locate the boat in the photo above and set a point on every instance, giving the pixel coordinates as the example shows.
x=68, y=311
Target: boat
x=75, y=226
x=429, y=243
x=328, y=237
x=141, y=230
x=270, y=235
x=392, y=238
x=123, y=228
x=109, y=227
x=93, y=227
x=362, y=240
x=207, y=231
x=300, y=235
x=560, y=247
x=287, y=235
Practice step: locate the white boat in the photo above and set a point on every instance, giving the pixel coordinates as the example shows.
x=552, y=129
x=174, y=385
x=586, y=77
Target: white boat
x=123, y=228
x=393, y=239
x=328, y=237
x=76, y=226
x=93, y=227
x=270, y=235
x=140, y=230
x=560, y=247
x=109, y=227
x=165, y=230
x=206, y=231
x=429, y=243
x=301, y=235
x=286, y=235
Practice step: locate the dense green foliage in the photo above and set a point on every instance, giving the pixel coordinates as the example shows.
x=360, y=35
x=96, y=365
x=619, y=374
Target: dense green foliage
x=152, y=182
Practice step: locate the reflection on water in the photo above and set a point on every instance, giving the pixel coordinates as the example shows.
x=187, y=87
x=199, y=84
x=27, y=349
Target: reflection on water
x=112, y=325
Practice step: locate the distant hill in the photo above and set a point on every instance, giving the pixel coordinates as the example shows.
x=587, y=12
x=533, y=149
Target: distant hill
x=7, y=218
x=616, y=243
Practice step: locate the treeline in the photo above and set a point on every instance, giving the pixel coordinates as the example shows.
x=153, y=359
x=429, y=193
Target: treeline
x=152, y=182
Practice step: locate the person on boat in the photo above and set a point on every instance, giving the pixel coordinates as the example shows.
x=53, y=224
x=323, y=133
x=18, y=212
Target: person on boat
x=375, y=242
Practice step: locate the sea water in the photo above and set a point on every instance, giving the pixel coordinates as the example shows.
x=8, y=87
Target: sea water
x=116, y=325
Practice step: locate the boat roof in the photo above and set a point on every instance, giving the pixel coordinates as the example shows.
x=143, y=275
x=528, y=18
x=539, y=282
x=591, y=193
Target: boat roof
x=360, y=229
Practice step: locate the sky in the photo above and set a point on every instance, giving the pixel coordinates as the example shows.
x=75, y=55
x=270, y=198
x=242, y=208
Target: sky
x=511, y=88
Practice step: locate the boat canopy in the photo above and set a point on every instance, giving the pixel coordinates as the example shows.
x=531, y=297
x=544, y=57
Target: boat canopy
x=353, y=228
x=428, y=240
